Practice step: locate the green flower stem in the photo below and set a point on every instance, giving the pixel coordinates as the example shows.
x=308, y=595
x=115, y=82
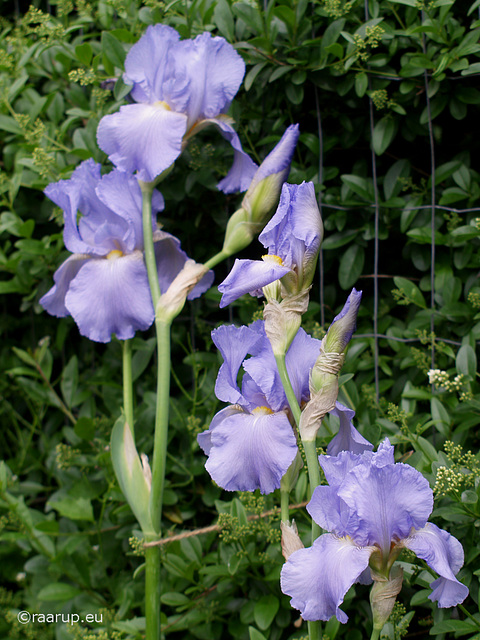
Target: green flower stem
x=219, y=257
x=287, y=387
x=314, y=630
x=375, y=634
x=127, y=384
x=309, y=446
x=152, y=593
x=285, y=505
x=161, y=422
x=147, y=189
x=152, y=554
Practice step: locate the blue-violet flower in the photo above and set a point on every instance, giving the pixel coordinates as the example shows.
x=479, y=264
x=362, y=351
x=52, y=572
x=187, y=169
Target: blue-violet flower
x=179, y=87
x=373, y=508
x=104, y=284
x=251, y=444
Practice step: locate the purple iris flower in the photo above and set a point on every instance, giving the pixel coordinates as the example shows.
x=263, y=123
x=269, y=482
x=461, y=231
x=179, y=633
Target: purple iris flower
x=292, y=237
x=347, y=438
x=104, y=284
x=373, y=508
x=179, y=88
x=250, y=444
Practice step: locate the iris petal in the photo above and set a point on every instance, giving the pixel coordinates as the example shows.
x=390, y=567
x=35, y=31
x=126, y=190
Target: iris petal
x=142, y=137
x=243, y=168
x=54, y=300
x=234, y=343
x=251, y=451
x=347, y=437
x=388, y=502
x=111, y=296
x=249, y=276
x=318, y=578
x=444, y=554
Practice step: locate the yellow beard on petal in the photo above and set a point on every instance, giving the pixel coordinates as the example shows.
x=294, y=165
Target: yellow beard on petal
x=263, y=411
x=272, y=258
x=114, y=254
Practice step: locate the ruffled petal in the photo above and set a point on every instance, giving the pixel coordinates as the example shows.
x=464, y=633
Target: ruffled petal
x=387, y=501
x=444, y=554
x=111, y=297
x=142, y=137
x=347, y=438
x=295, y=231
x=54, y=300
x=318, y=578
x=121, y=192
x=249, y=276
x=234, y=343
x=251, y=451
x=204, y=439
x=77, y=194
x=243, y=168
x=147, y=63
x=330, y=512
x=211, y=72
x=299, y=360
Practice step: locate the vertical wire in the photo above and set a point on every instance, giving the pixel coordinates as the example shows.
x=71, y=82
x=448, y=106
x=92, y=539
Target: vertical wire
x=376, y=242
x=432, y=221
x=321, y=278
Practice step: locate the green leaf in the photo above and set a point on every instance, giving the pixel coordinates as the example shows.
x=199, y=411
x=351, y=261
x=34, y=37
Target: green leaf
x=84, y=53
x=361, y=186
x=265, y=611
x=351, y=266
x=69, y=381
x=361, y=84
x=337, y=240
x=466, y=361
x=383, y=134
x=174, y=599
x=73, y=508
x=223, y=18
x=85, y=428
x=113, y=50
x=58, y=592
x=254, y=634
x=440, y=416
x=411, y=291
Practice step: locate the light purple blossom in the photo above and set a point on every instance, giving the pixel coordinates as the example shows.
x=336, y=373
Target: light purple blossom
x=179, y=86
x=250, y=444
x=292, y=237
x=373, y=507
x=104, y=284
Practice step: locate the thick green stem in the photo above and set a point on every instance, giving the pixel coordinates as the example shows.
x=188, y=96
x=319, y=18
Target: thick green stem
x=314, y=630
x=285, y=505
x=375, y=634
x=161, y=422
x=147, y=189
x=152, y=593
x=152, y=558
x=313, y=467
x=287, y=387
x=127, y=384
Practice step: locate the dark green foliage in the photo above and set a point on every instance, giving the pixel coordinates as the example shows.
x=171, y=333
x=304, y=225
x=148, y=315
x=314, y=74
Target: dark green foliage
x=386, y=95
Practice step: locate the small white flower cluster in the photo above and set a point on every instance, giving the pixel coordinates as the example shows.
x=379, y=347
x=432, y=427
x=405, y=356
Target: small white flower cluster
x=442, y=379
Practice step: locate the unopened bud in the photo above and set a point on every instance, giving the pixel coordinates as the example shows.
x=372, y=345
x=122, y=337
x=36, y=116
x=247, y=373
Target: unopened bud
x=172, y=301
x=290, y=539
